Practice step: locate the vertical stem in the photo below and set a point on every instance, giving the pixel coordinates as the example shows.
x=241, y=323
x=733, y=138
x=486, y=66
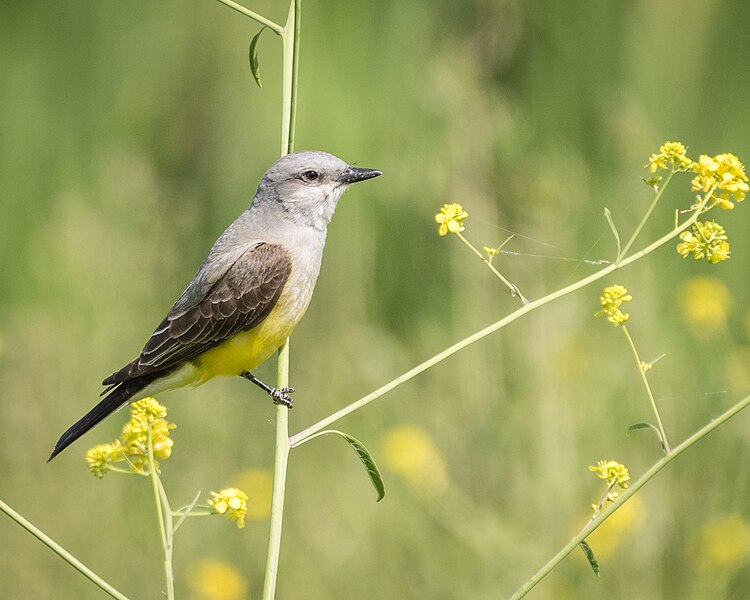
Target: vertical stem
x=664, y=441
x=290, y=67
x=279, y=481
x=166, y=542
x=290, y=62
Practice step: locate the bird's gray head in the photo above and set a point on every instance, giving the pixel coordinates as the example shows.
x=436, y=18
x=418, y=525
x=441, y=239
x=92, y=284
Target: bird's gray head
x=307, y=186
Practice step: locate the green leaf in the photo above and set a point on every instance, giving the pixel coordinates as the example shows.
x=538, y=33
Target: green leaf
x=608, y=216
x=636, y=426
x=253, y=56
x=590, y=557
x=364, y=455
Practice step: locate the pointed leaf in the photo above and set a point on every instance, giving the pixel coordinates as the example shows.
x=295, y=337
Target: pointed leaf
x=636, y=426
x=590, y=557
x=364, y=455
x=253, y=56
x=608, y=216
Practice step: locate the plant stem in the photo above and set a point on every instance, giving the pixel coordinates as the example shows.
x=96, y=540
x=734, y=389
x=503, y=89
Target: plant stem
x=645, y=218
x=279, y=481
x=290, y=67
x=634, y=487
x=641, y=370
x=277, y=29
x=513, y=288
x=166, y=543
x=517, y=314
x=61, y=552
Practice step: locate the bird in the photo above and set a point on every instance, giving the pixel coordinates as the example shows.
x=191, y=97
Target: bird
x=249, y=294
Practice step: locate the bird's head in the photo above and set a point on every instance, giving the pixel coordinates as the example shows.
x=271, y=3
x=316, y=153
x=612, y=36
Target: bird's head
x=307, y=185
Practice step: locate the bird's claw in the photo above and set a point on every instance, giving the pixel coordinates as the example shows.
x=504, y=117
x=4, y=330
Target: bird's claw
x=281, y=396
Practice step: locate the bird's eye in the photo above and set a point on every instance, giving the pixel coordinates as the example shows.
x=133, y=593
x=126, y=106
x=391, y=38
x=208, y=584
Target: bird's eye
x=311, y=175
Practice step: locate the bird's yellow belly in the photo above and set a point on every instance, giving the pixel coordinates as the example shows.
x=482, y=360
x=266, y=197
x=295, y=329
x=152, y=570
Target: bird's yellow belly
x=246, y=350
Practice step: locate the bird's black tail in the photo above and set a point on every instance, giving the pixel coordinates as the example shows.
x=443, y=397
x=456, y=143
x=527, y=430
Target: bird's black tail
x=114, y=400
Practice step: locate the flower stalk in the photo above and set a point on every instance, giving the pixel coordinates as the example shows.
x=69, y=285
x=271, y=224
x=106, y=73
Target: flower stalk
x=626, y=495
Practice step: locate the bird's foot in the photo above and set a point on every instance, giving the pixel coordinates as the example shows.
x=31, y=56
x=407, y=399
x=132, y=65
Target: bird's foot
x=278, y=395
x=281, y=396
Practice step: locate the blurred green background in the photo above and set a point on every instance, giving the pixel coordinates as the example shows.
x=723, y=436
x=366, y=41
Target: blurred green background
x=132, y=134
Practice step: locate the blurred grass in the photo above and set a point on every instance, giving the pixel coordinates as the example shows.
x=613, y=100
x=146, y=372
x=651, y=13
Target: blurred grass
x=132, y=133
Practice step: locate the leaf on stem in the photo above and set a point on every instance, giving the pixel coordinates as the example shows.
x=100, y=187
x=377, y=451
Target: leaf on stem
x=253, y=56
x=610, y=220
x=654, y=428
x=364, y=455
x=590, y=557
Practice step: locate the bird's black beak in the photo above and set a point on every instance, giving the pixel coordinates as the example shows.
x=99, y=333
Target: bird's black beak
x=355, y=174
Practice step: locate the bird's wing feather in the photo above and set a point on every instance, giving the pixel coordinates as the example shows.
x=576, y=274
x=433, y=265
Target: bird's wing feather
x=237, y=301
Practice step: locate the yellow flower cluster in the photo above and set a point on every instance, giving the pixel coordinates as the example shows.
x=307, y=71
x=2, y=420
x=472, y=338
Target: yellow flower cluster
x=450, y=219
x=611, y=300
x=147, y=418
x=100, y=458
x=725, y=174
x=613, y=472
x=672, y=155
x=231, y=502
x=706, y=240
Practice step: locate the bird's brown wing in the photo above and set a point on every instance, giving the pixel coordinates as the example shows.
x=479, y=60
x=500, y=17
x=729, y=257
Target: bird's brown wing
x=238, y=301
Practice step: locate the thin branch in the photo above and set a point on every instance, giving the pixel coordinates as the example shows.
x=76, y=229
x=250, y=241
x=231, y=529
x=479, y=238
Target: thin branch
x=634, y=487
x=61, y=552
x=517, y=314
x=277, y=29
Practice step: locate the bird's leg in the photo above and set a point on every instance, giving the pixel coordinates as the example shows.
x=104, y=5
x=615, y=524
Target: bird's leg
x=278, y=395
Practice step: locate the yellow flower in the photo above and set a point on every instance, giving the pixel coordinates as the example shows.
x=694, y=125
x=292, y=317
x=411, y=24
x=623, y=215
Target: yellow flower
x=230, y=502
x=259, y=484
x=410, y=452
x=450, y=217
x=212, y=579
x=611, y=300
x=490, y=252
x=672, y=155
x=132, y=445
x=704, y=303
x=100, y=458
x=613, y=472
x=706, y=240
x=723, y=172
x=722, y=543
x=147, y=408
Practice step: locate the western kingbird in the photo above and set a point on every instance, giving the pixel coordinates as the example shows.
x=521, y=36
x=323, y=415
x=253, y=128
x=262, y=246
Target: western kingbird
x=248, y=295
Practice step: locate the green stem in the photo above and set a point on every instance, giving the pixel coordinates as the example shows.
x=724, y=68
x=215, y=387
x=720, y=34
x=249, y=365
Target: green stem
x=634, y=487
x=641, y=370
x=290, y=67
x=279, y=481
x=645, y=218
x=517, y=314
x=160, y=512
x=513, y=289
x=277, y=29
x=61, y=552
